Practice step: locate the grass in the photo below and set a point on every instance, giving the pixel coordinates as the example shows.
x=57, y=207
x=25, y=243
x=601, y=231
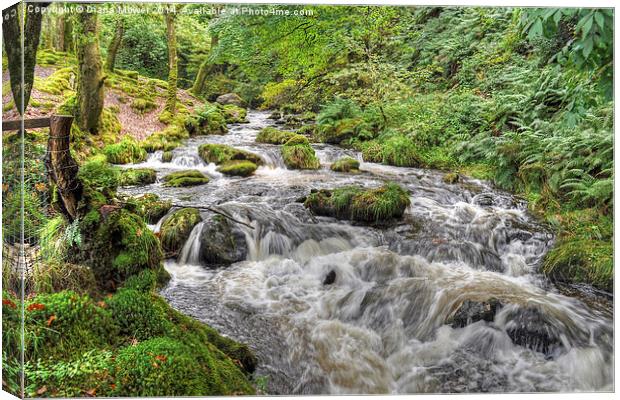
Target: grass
x=137, y=176
x=298, y=154
x=125, y=152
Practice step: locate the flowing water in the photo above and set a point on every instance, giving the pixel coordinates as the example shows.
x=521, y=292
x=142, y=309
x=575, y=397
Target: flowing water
x=386, y=323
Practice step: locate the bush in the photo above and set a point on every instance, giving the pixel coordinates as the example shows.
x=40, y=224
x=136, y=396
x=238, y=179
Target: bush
x=207, y=121
x=358, y=204
x=238, y=168
x=277, y=95
x=399, y=151
x=137, y=176
x=150, y=207
x=346, y=164
x=185, y=178
x=273, y=135
x=176, y=229
x=125, y=152
x=298, y=154
x=220, y=153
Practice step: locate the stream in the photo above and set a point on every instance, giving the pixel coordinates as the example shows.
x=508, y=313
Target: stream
x=388, y=322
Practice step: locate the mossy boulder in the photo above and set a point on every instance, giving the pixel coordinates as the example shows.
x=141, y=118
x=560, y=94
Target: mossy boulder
x=125, y=152
x=222, y=242
x=359, y=204
x=346, y=164
x=230, y=98
x=399, y=151
x=169, y=367
x=166, y=156
x=137, y=176
x=237, y=168
x=176, y=229
x=234, y=114
x=451, y=178
x=298, y=154
x=209, y=120
x=221, y=153
x=150, y=207
x=142, y=106
x=185, y=178
x=99, y=181
x=273, y=135
x=167, y=139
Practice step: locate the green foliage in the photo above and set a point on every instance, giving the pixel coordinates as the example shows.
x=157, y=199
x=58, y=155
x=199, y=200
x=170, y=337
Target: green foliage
x=276, y=95
x=365, y=205
x=220, y=153
x=273, y=135
x=234, y=114
x=125, y=152
x=150, y=207
x=399, y=151
x=209, y=120
x=166, y=156
x=137, y=176
x=100, y=181
x=176, y=229
x=185, y=178
x=142, y=105
x=58, y=83
x=346, y=164
x=238, y=168
x=298, y=154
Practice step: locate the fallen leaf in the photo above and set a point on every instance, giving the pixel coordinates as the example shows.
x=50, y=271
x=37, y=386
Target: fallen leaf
x=50, y=320
x=161, y=358
x=42, y=390
x=35, y=306
x=91, y=392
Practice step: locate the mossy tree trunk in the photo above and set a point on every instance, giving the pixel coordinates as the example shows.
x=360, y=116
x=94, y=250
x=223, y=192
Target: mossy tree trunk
x=206, y=68
x=60, y=33
x=14, y=23
x=171, y=100
x=115, y=44
x=65, y=34
x=90, y=74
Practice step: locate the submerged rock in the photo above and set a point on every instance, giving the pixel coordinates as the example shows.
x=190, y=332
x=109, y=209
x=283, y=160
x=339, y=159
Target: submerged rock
x=298, y=154
x=330, y=278
x=176, y=229
x=222, y=242
x=451, y=178
x=346, y=164
x=474, y=311
x=529, y=327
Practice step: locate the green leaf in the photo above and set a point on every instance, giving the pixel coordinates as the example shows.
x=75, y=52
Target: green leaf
x=536, y=29
x=557, y=16
x=600, y=19
x=587, y=26
x=587, y=47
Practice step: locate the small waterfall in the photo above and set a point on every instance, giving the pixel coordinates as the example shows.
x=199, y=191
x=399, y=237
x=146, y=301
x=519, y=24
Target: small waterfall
x=190, y=254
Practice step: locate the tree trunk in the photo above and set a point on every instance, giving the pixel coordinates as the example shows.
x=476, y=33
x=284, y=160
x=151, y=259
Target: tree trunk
x=204, y=70
x=115, y=44
x=90, y=76
x=61, y=167
x=171, y=100
x=60, y=34
x=13, y=21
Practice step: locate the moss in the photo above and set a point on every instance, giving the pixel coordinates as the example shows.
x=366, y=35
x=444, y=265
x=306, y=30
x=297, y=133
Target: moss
x=185, y=178
x=100, y=179
x=298, y=154
x=9, y=105
x=346, y=164
x=165, y=117
x=166, y=156
x=273, y=135
x=169, y=367
x=451, y=178
x=137, y=176
x=343, y=129
x=58, y=83
x=220, y=153
x=150, y=207
x=207, y=121
x=137, y=315
x=142, y=105
x=127, y=151
x=358, y=204
x=167, y=140
x=176, y=229
x=54, y=276
x=234, y=114
x=238, y=168
x=59, y=325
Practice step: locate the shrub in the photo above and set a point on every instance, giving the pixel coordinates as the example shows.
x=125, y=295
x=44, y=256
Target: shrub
x=207, y=121
x=150, y=207
x=399, y=151
x=137, y=176
x=176, y=229
x=238, y=168
x=273, y=135
x=298, y=154
x=276, y=95
x=220, y=153
x=185, y=178
x=124, y=152
x=358, y=204
x=346, y=164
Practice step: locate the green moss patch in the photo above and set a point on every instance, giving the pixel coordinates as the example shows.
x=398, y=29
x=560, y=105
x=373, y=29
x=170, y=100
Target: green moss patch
x=346, y=164
x=176, y=229
x=166, y=156
x=150, y=207
x=58, y=83
x=234, y=114
x=142, y=106
x=137, y=176
x=185, y=178
x=125, y=152
x=238, y=168
x=220, y=153
x=210, y=120
x=273, y=135
x=365, y=205
x=298, y=154
x=168, y=139
x=344, y=129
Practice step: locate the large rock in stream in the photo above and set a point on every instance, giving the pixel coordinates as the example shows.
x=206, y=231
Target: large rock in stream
x=230, y=98
x=222, y=242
